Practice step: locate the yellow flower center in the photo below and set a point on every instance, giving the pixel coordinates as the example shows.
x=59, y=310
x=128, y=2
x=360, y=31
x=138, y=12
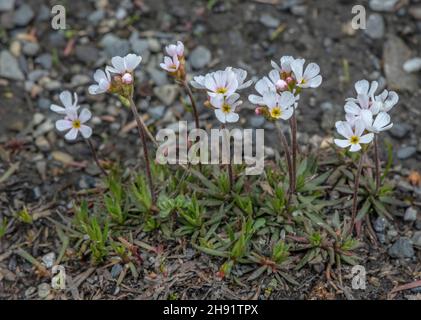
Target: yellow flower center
x=355, y=140
x=221, y=90
x=276, y=113
x=76, y=124
x=226, y=108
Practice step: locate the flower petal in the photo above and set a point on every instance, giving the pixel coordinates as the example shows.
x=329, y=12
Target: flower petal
x=72, y=134
x=220, y=115
x=62, y=125
x=342, y=143
x=367, y=138
x=57, y=109
x=311, y=71
x=118, y=64
x=66, y=99
x=85, y=115
x=355, y=148
x=86, y=131
x=132, y=61
x=362, y=87
x=232, y=117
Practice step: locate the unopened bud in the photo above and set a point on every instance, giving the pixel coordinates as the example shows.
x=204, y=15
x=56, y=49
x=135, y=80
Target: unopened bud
x=281, y=85
x=258, y=111
x=289, y=80
x=127, y=78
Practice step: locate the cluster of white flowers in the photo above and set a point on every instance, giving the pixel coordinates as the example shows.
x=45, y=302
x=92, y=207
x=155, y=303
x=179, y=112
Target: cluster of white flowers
x=366, y=115
x=73, y=122
x=279, y=92
x=221, y=87
x=175, y=57
x=122, y=68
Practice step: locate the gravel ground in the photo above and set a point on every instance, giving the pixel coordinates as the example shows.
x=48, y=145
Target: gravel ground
x=42, y=172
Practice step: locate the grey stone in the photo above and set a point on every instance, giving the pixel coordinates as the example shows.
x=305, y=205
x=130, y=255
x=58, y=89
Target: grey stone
x=158, y=77
x=157, y=112
x=43, y=290
x=257, y=121
x=43, y=13
x=395, y=53
x=412, y=65
x=380, y=224
x=139, y=46
x=49, y=259
x=9, y=67
x=86, y=182
x=416, y=239
x=96, y=16
x=45, y=60
x=116, y=270
x=86, y=53
x=415, y=11
x=30, y=48
x=375, y=26
x=80, y=80
x=402, y=248
x=43, y=103
x=23, y=15
x=418, y=224
x=400, y=130
x=114, y=46
x=269, y=21
x=383, y=5
x=200, y=57
x=154, y=45
x=299, y=10
x=410, y=214
x=406, y=152
x=6, y=5
x=166, y=93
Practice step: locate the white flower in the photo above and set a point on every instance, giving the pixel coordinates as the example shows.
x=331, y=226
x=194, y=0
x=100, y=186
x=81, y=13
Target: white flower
x=66, y=100
x=103, y=80
x=225, y=107
x=223, y=83
x=279, y=105
x=354, y=136
x=363, y=87
x=124, y=65
x=380, y=123
x=262, y=86
x=387, y=100
x=363, y=102
x=241, y=77
x=309, y=78
x=175, y=49
x=170, y=64
x=74, y=124
x=279, y=83
x=285, y=64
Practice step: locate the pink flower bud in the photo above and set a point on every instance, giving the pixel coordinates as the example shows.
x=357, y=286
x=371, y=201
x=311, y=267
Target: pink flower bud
x=258, y=111
x=127, y=78
x=281, y=85
x=289, y=80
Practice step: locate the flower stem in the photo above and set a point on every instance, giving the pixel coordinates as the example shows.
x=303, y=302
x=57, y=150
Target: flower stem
x=294, y=147
x=377, y=160
x=355, y=198
x=142, y=134
x=142, y=123
x=287, y=153
x=95, y=156
x=186, y=86
x=229, y=165
x=193, y=103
